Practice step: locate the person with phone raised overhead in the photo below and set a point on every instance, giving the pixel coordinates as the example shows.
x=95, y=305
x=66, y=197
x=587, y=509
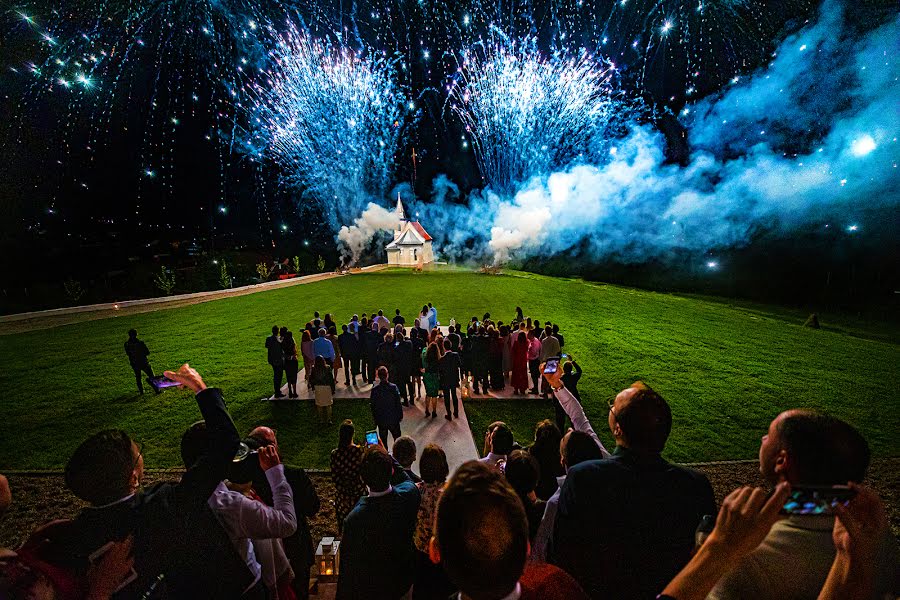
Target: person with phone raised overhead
x=807, y=448
x=178, y=542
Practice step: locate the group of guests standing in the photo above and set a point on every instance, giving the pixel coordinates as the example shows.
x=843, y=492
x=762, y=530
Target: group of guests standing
x=489, y=354
x=565, y=518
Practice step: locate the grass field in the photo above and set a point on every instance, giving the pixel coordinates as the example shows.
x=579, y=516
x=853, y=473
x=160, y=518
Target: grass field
x=726, y=370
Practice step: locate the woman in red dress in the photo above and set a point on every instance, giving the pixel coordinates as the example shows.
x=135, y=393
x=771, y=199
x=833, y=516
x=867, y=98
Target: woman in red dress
x=520, y=364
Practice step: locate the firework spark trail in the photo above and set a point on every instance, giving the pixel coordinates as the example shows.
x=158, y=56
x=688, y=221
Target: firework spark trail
x=528, y=114
x=331, y=118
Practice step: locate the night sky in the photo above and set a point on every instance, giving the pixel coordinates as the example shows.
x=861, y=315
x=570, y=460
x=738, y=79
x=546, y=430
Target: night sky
x=145, y=152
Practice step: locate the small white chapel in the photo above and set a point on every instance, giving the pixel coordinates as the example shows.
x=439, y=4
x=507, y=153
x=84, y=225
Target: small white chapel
x=411, y=245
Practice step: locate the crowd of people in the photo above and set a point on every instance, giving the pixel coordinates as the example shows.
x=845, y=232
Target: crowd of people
x=420, y=360
x=558, y=516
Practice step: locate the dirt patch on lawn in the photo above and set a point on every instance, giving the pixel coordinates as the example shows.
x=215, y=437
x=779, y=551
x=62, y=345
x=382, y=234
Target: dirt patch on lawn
x=38, y=498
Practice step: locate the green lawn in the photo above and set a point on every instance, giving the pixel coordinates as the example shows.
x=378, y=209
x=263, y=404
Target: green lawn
x=725, y=370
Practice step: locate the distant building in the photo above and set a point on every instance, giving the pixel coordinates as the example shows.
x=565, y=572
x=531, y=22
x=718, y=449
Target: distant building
x=412, y=244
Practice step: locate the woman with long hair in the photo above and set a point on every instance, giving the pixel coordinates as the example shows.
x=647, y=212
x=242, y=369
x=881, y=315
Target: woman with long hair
x=431, y=581
x=519, y=379
x=306, y=350
x=495, y=359
x=506, y=342
x=545, y=450
x=291, y=362
x=348, y=484
x=430, y=360
x=322, y=381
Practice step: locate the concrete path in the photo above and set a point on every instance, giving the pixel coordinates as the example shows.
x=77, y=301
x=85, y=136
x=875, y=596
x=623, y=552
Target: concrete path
x=45, y=319
x=454, y=436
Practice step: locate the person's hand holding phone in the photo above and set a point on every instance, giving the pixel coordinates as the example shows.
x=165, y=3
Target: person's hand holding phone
x=268, y=457
x=187, y=377
x=555, y=378
x=746, y=517
x=858, y=526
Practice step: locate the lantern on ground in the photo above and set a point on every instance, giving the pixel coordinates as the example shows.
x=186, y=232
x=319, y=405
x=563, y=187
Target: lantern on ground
x=328, y=559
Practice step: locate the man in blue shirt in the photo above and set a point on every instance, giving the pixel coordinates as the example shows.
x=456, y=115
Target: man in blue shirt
x=377, y=553
x=432, y=317
x=323, y=347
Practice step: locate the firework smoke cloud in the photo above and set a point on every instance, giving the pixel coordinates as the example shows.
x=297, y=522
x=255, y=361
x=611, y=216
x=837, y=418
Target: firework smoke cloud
x=825, y=86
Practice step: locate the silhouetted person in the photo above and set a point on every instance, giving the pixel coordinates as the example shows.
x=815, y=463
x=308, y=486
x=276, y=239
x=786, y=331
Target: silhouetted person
x=448, y=367
x=276, y=359
x=137, y=355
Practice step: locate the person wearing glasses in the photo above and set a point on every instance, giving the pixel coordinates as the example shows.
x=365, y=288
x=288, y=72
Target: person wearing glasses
x=177, y=538
x=649, y=508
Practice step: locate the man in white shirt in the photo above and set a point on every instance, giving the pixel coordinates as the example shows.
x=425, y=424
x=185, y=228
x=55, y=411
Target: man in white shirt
x=804, y=447
x=245, y=519
x=381, y=321
x=499, y=443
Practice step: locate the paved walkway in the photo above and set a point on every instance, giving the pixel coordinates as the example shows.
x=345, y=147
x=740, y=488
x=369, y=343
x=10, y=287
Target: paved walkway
x=45, y=319
x=454, y=436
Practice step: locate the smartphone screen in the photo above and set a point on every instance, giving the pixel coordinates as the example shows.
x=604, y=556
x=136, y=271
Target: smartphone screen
x=816, y=500
x=552, y=365
x=372, y=438
x=162, y=382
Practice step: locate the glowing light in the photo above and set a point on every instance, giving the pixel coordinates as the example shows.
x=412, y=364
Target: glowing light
x=666, y=27
x=321, y=114
x=862, y=145
x=528, y=114
x=852, y=228
x=803, y=47
x=712, y=264
x=223, y=210
x=150, y=173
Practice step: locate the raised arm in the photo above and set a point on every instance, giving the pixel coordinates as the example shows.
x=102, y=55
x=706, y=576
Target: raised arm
x=575, y=412
x=204, y=475
x=259, y=521
x=745, y=519
x=858, y=533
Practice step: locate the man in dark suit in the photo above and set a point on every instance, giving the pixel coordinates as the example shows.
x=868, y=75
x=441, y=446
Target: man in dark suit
x=138, y=352
x=276, y=359
x=448, y=367
x=180, y=549
x=387, y=412
x=378, y=557
x=625, y=524
x=402, y=358
x=371, y=340
x=350, y=352
x=299, y=546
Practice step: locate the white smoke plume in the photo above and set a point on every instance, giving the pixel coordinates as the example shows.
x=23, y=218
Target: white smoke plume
x=837, y=94
x=355, y=238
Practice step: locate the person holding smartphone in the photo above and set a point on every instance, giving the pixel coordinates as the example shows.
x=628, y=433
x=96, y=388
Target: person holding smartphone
x=807, y=448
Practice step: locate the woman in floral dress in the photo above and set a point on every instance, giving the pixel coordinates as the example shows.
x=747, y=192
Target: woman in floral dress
x=345, y=462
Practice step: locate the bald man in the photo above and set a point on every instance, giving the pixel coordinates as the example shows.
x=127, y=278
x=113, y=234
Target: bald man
x=804, y=447
x=299, y=546
x=632, y=512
